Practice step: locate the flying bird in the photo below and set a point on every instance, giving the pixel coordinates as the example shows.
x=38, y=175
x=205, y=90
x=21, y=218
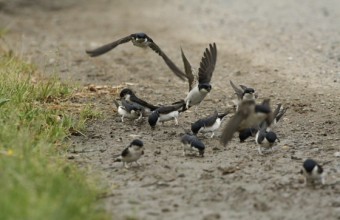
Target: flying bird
x=198, y=90
x=249, y=115
x=140, y=40
x=208, y=124
x=276, y=116
x=131, y=154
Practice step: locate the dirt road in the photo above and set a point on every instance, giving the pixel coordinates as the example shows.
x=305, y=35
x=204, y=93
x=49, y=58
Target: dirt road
x=288, y=51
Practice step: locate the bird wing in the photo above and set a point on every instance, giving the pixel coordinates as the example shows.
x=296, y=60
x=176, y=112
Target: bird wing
x=188, y=70
x=129, y=106
x=207, y=65
x=107, y=47
x=142, y=103
x=195, y=142
x=169, y=108
x=167, y=60
x=116, y=103
x=234, y=122
x=125, y=152
x=243, y=87
x=238, y=91
x=210, y=120
x=231, y=127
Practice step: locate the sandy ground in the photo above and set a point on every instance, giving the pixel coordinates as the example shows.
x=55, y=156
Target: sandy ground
x=288, y=50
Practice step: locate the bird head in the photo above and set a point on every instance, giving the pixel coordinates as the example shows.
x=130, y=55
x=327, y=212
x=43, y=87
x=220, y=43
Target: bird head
x=137, y=142
x=153, y=118
x=205, y=87
x=125, y=92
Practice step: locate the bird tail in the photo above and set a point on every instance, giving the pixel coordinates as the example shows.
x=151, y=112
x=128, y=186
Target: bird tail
x=279, y=112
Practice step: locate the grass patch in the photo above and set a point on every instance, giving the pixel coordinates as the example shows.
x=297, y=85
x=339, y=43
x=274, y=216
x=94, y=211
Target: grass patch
x=36, y=181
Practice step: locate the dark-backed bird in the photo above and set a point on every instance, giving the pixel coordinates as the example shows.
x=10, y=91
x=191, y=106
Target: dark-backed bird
x=129, y=110
x=139, y=40
x=165, y=113
x=130, y=96
x=208, y=124
x=265, y=139
x=313, y=172
x=192, y=144
x=131, y=154
x=198, y=90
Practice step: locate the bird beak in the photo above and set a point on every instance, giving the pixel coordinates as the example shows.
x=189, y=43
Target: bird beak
x=278, y=140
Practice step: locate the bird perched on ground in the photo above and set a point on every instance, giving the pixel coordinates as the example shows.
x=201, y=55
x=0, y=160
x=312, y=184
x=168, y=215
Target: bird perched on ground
x=130, y=110
x=249, y=115
x=313, y=172
x=130, y=96
x=265, y=139
x=193, y=144
x=165, y=113
x=199, y=90
x=139, y=40
x=131, y=154
x=243, y=93
x=208, y=124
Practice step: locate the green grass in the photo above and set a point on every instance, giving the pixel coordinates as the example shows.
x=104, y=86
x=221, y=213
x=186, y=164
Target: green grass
x=36, y=180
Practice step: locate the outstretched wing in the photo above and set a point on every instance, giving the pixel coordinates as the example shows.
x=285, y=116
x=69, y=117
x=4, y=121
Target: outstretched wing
x=188, y=70
x=167, y=60
x=231, y=127
x=107, y=47
x=234, y=122
x=238, y=91
x=207, y=65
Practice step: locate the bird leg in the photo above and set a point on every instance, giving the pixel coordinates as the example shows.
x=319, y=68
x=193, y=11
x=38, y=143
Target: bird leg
x=260, y=150
x=196, y=107
x=176, y=120
x=122, y=118
x=187, y=104
x=212, y=134
x=125, y=164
